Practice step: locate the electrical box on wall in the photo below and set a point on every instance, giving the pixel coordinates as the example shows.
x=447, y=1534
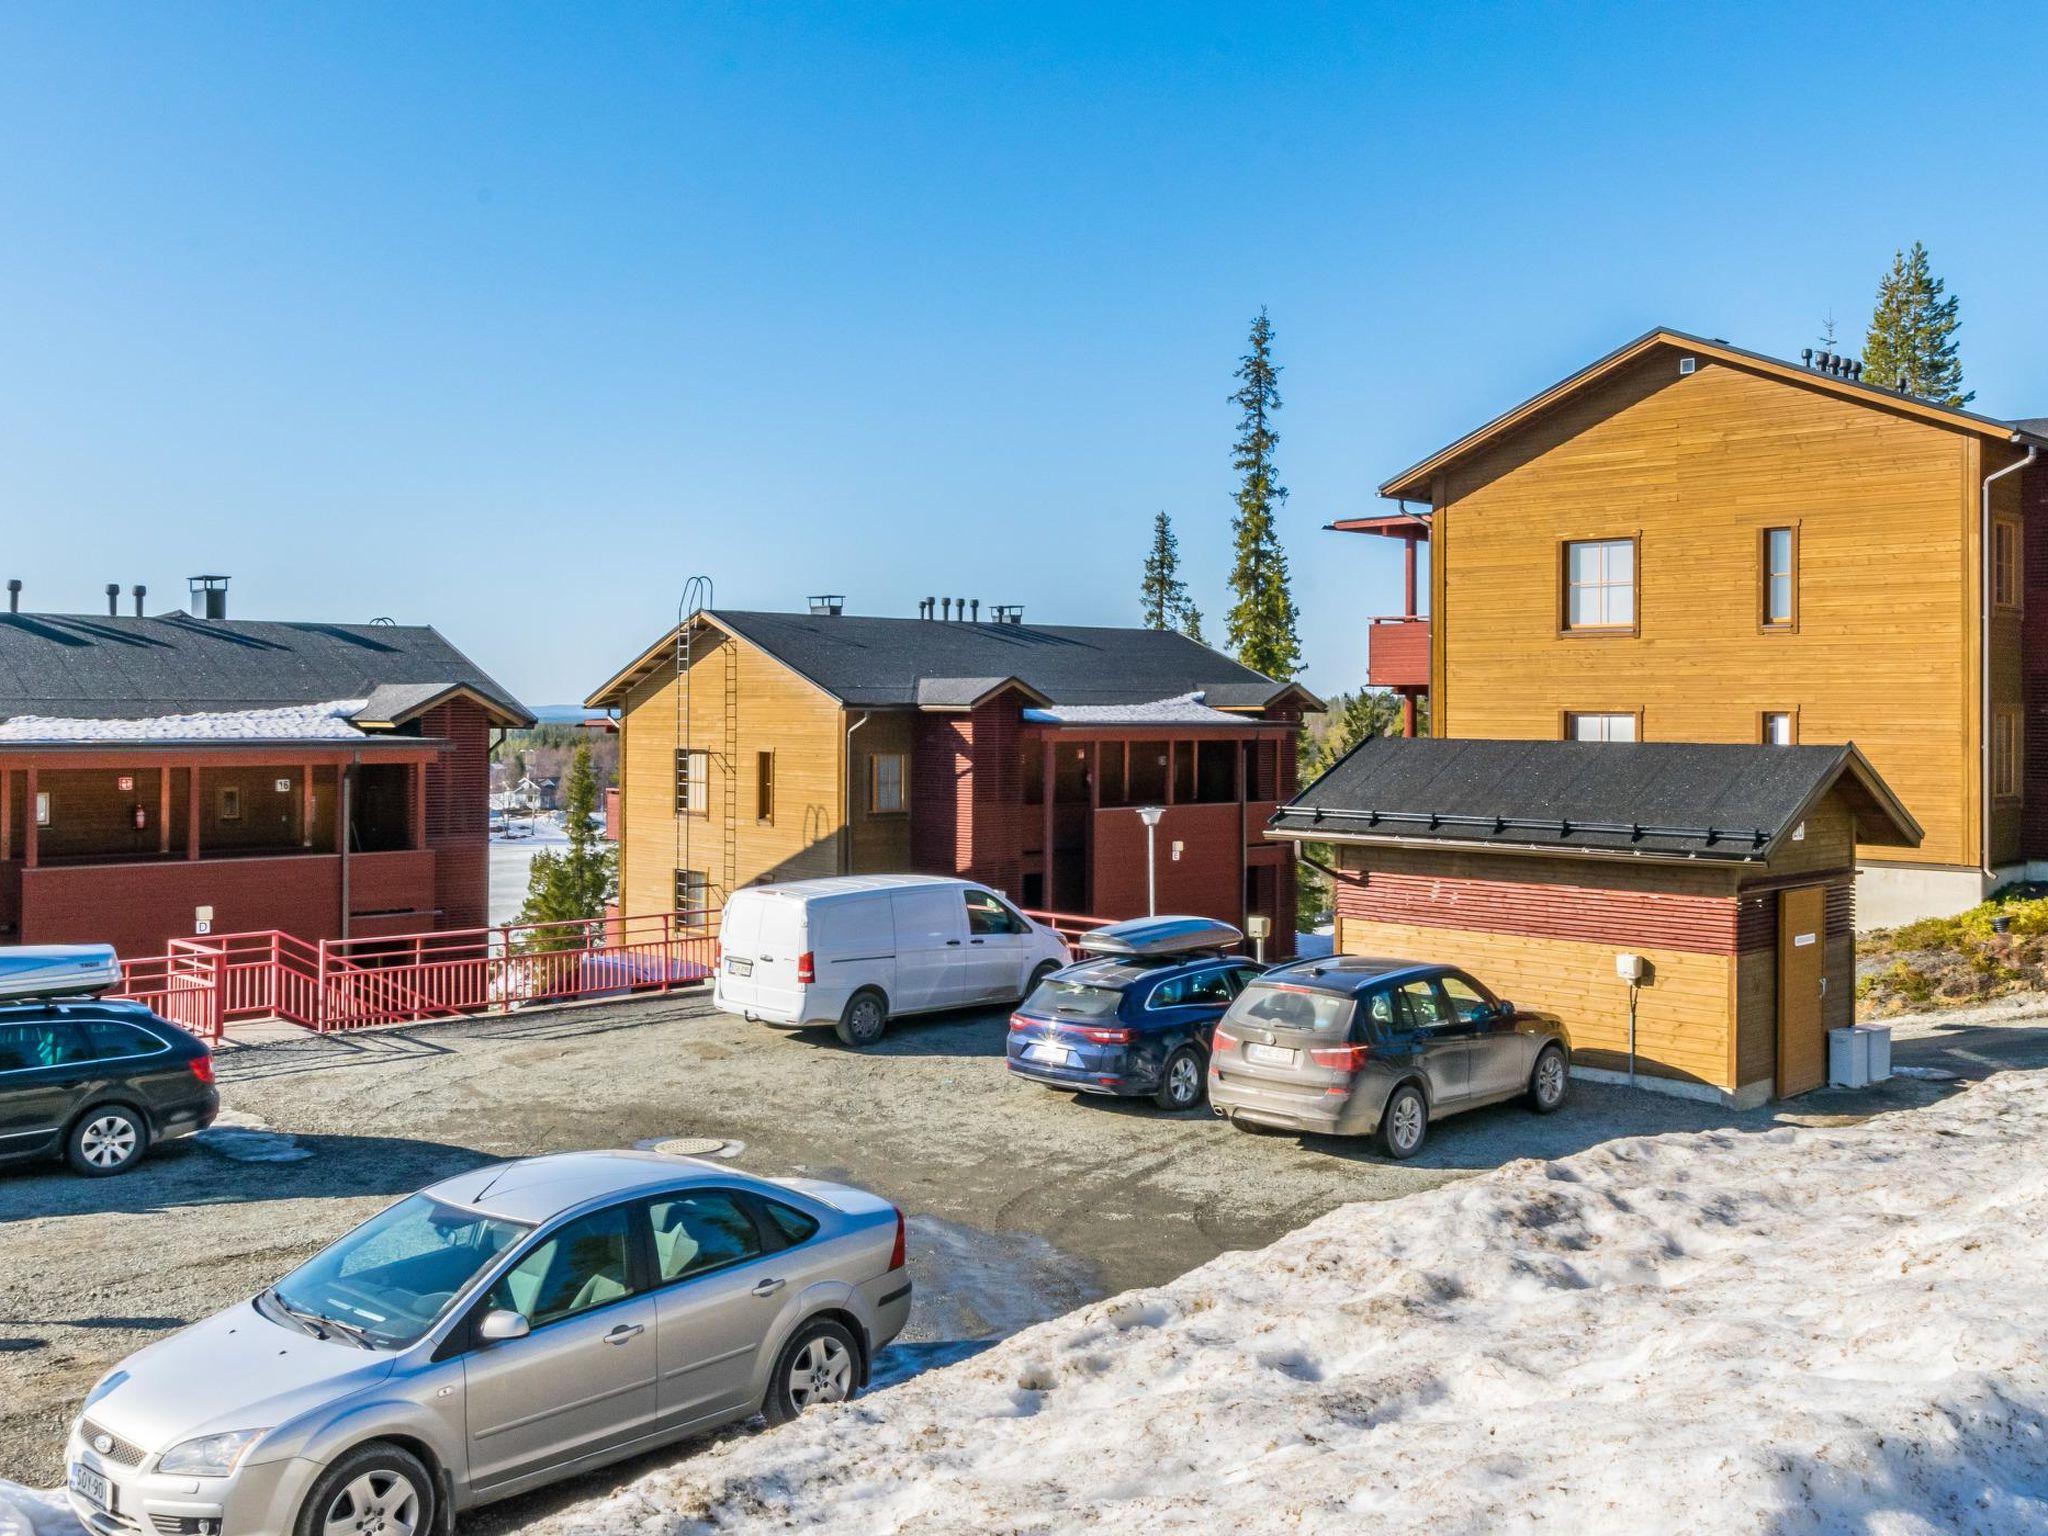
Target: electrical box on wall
x=1628, y=967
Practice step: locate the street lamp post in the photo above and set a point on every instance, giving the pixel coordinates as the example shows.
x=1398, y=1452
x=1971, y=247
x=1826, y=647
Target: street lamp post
x=1150, y=815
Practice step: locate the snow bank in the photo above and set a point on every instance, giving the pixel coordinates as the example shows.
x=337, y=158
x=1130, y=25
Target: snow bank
x=1811, y=1330
x=24, y=1512
x=291, y=722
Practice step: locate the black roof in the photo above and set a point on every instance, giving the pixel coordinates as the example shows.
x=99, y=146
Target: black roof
x=1667, y=800
x=877, y=662
x=126, y=668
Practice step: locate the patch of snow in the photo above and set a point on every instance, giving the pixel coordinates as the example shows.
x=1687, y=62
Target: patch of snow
x=293, y=722
x=1834, y=1329
x=1181, y=709
x=245, y=1139
x=25, y=1512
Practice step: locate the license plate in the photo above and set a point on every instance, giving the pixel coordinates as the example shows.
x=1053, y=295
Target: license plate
x=92, y=1487
x=1268, y=1055
x=738, y=966
x=1051, y=1055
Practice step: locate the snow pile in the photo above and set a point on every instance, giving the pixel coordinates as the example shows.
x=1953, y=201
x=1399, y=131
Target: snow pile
x=1813, y=1330
x=245, y=1139
x=27, y=1513
x=293, y=722
x=1181, y=709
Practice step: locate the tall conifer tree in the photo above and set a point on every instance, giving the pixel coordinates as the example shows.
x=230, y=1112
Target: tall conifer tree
x=1262, y=619
x=1912, y=340
x=1163, y=596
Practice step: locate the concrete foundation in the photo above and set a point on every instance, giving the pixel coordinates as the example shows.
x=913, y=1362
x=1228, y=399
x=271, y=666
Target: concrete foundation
x=1890, y=894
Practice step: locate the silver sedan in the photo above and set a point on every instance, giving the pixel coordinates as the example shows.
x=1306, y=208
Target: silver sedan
x=494, y=1332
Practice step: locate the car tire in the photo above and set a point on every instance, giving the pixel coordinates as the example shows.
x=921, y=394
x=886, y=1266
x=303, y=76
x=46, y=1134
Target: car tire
x=107, y=1139
x=1550, y=1082
x=1045, y=969
x=390, y=1486
x=1182, y=1081
x=863, y=1019
x=1404, y=1123
x=820, y=1364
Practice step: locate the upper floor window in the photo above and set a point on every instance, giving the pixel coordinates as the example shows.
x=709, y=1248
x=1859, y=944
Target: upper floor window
x=1780, y=594
x=2005, y=563
x=885, y=783
x=764, y=786
x=693, y=771
x=1590, y=727
x=1600, y=585
x=2005, y=753
x=1778, y=729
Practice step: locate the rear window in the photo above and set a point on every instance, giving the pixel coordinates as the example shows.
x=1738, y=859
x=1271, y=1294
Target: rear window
x=1273, y=1005
x=1074, y=1000
x=794, y=1225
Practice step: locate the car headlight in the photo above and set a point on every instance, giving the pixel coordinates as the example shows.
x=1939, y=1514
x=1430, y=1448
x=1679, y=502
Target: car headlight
x=209, y=1455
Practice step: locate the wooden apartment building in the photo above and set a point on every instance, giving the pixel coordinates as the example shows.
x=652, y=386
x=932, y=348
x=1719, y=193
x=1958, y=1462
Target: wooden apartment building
x=782, y=746
x=1686, y=541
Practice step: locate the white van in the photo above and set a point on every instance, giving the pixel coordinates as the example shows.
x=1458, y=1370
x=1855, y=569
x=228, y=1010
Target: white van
x=859, y=950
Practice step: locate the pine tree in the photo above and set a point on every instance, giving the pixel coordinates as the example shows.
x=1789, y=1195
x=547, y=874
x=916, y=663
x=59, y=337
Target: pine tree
x=1828, y=340
x=1911, y=346
x=1162, y=594
x=1262, y=620
x=575, y=884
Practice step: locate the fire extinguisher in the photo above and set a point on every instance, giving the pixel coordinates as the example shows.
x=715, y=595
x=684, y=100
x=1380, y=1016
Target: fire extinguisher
x=141, y=816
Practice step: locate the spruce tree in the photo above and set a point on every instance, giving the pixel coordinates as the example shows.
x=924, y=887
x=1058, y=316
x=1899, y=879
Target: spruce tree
x=1911, y=346
x=575, y=884
x=1163, y=596
x=1262, y=619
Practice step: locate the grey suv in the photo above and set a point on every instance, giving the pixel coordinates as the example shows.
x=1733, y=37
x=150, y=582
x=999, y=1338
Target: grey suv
x=496, y=1331
x=1351, y=1046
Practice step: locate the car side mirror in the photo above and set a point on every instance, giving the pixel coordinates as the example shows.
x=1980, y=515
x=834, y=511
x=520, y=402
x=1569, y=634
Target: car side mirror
x=499, y=1325
x=1504, y=1009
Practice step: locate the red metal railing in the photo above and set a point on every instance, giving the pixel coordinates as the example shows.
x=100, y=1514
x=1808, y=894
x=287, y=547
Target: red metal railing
x=1068, y=925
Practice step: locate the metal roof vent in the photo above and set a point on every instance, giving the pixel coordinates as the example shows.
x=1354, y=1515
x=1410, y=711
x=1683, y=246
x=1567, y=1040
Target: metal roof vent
x=828, y=605
x=1688, y=365
x=209, y=596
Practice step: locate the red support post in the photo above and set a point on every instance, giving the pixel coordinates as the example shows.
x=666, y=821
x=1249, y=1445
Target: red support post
x=163, y=811
x=419, y=805
x=29, y=840
x=1051, y=773
x=192, y=812
x=6, y=814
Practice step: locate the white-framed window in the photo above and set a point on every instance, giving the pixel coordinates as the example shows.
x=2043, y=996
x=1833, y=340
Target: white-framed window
x=1599, y=727
x=42, y=807
x=693, y=774
x=885, y=782
x=1779, y=728
x=1600, y=584
x=1780, y=595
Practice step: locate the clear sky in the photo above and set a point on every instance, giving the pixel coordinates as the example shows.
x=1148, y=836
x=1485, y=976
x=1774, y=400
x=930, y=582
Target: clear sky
x=512, y=318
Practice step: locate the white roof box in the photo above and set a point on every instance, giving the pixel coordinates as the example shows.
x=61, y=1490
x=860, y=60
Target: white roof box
x=57, y=970
x=1153, y=937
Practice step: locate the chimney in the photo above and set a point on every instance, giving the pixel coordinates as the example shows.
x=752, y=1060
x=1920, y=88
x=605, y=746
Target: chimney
x=14, y=594
x=140, y=592
x=975, y=603
x=113, y=599
x=209, y=596
x=1008, y=613
x=827, y=605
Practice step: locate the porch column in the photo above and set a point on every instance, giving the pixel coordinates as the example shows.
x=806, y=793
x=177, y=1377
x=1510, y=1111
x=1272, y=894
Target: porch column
x=192, y=812
x=1171, y=753
x=1407, y=714
x=163, y=810
x=6, y=814
x=419, y=806
x=1094, y=805
x=28, y=821
x=306, y=807
x=1051, y=770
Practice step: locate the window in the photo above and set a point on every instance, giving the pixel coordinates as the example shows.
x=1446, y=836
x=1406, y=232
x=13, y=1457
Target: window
x=764, y=786
x=113, y=1040
x=1778, y=729
x=1780, y=588
x=693, y=773
x=1586, y=727
x=2005, y=753
x=696, y=1232
x=693, y=890
x=1211, y=989
x=986, y=915
x=42, y=807
x=2005, y=563
x=585, y=1265
x=1600, y=585
x=1275, y=1005
x=230, y=802
x=1467, y=1001
x=1424, y=1005
x=24, y=1047
x=885, y=783
x=793, y=1224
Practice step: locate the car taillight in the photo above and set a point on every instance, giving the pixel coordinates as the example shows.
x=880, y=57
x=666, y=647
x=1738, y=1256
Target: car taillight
x=202, y=1067
x=1100, y=1036
x=1343, y=1058
x=806, y=968
x=897, y=1257
x=1222, y=1040
x=1018, y=1021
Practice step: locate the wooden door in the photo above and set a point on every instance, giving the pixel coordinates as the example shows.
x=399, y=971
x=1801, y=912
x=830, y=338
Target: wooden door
x=1802, y=973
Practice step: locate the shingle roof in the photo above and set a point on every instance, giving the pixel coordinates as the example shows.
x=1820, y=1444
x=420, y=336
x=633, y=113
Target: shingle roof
x=1651, y=799
x=132, y=668
x=875, y=662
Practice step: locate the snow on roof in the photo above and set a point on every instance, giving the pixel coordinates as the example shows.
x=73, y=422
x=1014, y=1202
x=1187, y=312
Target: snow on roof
x=1181, y=709
x=292, y=722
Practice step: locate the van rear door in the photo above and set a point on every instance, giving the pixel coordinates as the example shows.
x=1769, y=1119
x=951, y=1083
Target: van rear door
x=760, y=939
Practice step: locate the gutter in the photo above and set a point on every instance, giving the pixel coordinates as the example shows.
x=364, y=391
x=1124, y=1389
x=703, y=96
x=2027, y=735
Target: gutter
x=1984, y=658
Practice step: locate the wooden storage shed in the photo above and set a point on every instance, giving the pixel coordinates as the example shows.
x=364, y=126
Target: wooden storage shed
x=1727, y=871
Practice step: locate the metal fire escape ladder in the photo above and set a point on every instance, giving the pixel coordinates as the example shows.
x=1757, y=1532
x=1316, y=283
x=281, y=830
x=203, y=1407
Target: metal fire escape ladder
x=732, y=771
x=697, y=596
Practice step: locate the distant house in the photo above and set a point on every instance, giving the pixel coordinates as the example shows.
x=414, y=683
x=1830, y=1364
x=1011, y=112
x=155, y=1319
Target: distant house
x=777, y=746
x=161, y=776
x=1689, y=541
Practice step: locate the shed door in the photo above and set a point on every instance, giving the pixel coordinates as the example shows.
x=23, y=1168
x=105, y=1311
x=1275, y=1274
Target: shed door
x=1802, y=972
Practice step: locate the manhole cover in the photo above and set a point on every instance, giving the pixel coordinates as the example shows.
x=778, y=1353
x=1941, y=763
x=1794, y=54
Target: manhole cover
x=694, y=1146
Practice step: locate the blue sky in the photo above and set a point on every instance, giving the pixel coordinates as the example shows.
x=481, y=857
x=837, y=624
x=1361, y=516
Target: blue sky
x=432, y=311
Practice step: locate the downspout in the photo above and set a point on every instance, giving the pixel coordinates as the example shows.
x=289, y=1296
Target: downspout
x=1984, y=661
x=846, y=826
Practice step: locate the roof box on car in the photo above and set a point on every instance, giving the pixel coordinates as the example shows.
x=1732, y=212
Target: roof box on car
x=57, y=970
x=1148, y=938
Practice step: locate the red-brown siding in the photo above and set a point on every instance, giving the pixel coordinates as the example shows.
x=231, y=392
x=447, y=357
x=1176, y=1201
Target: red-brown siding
x=458, y=815
x=1649, y=919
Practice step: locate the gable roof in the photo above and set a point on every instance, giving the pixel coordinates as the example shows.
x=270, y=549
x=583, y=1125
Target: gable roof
x=1659, y=801
x=940, y=663
x=1413, y=483
x=127, y=668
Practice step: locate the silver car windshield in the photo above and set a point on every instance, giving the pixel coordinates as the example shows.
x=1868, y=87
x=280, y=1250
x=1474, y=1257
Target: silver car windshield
x=1275, y=1005
x=389, y=1281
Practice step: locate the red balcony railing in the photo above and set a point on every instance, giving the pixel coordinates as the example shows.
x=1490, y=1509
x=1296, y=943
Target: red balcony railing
x=1397, y=653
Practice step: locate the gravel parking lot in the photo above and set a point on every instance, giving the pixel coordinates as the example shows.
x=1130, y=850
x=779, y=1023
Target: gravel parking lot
x=1024, y=1202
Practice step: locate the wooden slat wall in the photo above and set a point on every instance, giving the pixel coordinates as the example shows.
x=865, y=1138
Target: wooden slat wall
x=1697, y=465
x=1618, y=919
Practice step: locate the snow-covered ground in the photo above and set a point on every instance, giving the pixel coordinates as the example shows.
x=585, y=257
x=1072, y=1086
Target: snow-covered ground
x=1802, y=1330
x=512, y=860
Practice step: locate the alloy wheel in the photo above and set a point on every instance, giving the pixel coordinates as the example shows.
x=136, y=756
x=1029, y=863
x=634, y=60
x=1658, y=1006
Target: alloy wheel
x=1407, y=1114
x=379, y=1503
x=108, y=1142
x=1550, y=1079
x=821, y=1373
x=1184, y=1081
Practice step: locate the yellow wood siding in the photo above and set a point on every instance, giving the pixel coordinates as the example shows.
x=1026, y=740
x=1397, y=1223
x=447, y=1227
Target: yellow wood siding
x=1697, y=466
x=774, y=709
